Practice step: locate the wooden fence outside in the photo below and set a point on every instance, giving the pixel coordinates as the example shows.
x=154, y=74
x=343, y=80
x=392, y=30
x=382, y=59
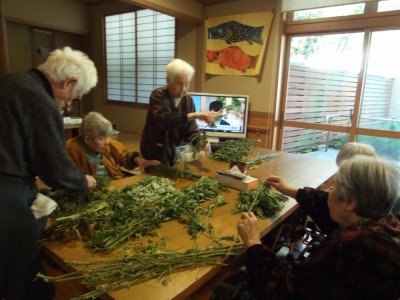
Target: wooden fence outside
x=319, y=96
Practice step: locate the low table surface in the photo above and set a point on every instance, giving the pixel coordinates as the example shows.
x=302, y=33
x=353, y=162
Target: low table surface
x=296, y=169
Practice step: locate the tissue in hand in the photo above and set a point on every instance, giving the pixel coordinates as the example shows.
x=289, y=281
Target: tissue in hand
x=43, y=206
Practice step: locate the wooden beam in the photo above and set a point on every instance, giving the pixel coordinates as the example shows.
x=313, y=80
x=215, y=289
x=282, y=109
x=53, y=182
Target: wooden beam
x=187, y=10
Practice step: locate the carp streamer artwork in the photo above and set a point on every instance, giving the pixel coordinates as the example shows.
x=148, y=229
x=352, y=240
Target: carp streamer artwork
x=235, y=44
x=232, y=57
x=232, y=32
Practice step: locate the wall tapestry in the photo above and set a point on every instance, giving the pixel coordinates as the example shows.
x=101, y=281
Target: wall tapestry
x=235, y=44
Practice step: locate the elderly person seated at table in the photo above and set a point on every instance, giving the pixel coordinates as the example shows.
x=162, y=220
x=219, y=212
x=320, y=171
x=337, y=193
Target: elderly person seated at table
x=97, y=154
x=361, y=260
x=314, y=203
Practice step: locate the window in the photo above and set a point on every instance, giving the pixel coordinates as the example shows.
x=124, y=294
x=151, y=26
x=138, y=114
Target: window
x=138, y=47
x=335, y=11
x=389, y=5
x=342, y=83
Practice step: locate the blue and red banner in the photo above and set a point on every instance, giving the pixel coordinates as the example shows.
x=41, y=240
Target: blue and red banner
x=235, y=44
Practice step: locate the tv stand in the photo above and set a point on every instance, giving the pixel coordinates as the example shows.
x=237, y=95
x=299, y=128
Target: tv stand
x=216, y=143
x=213, y=139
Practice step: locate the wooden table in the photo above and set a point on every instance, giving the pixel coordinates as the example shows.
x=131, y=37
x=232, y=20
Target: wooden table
x=298, y=170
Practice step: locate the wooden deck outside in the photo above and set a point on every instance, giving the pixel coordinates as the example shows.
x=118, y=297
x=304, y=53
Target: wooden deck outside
x=327, y=97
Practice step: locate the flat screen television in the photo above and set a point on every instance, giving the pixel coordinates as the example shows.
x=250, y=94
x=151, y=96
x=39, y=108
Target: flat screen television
x=233, y=123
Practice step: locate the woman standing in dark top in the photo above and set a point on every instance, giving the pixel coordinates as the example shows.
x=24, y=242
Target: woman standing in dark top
x=32, y=143
x=171, y=116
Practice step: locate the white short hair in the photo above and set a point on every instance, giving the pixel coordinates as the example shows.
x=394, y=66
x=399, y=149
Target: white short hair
x=178, y=67
x=67, y=63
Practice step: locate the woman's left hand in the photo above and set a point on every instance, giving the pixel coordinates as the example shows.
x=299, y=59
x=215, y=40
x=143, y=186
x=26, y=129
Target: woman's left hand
x=248, y=229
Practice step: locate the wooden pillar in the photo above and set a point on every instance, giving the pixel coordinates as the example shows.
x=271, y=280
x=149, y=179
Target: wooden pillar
x=4, y=58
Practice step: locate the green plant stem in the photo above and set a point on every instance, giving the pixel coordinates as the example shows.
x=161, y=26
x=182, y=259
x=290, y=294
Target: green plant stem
x=114, y=274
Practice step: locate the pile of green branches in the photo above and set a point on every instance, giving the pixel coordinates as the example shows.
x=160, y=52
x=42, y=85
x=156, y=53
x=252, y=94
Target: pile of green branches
x=252, y=163
x=234, y=150
x=174, y=172
x=263, y=201
x=106, y=219
x=105, y=276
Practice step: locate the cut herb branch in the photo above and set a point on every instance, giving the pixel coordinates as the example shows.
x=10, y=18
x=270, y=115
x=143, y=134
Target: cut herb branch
x=107, y=219
x=172, y=171
x=251, y=163
x=110, y=275
x=234, y=151
x=263, y=201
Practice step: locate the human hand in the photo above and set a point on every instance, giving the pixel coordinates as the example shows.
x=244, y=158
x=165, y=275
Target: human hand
x=91, y=182
x=208, y=117
x=248, y=229
x=277, y=182
x=206, y=148
x=280, y=185
x=144, y=163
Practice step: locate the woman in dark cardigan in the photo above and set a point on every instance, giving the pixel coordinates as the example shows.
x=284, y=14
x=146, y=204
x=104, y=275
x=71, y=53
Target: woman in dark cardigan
x=361, y=260
x=32, y=143
x=171, y=118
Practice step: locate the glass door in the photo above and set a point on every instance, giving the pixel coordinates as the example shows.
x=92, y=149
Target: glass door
x=379, y=121
x=342, y=87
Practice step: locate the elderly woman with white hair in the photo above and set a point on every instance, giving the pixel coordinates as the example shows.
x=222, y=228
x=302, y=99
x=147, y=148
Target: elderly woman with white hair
x=313, y=202
x=361, y=260
x=95, y=153
x=171, y=116
x=33, y=144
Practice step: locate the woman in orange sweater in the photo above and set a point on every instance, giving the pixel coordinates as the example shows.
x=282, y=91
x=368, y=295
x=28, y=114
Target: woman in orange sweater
x=95, y=153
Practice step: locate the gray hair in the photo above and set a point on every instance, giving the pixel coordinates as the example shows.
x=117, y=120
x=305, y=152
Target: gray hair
x=67, y=63
x=178, y=67
x=95, y=125
x=372, y=182
x=350, y=149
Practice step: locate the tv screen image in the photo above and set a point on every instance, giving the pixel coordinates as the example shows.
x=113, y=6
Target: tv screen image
x=232, y=124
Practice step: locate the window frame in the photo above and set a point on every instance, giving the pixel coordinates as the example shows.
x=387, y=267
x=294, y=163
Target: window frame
x=135, y=104
x=371, y=20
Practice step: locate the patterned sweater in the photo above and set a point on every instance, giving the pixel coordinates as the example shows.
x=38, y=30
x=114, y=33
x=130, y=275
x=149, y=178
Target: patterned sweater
x=167, y=126
x=361, y=261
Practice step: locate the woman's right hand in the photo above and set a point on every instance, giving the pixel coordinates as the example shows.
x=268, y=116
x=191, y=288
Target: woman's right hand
x=91, y=182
